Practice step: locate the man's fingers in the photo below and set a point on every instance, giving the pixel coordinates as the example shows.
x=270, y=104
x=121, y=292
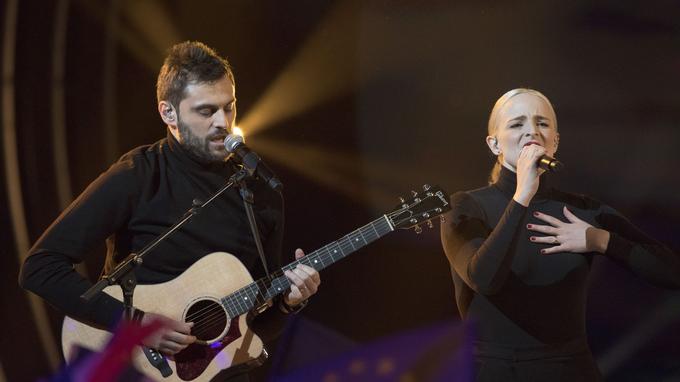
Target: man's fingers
x=180, y=338
x=313, y=274
x=182, y=327
x=307, y=281
x=294, y=278
x=169, y=347
x=299, y=253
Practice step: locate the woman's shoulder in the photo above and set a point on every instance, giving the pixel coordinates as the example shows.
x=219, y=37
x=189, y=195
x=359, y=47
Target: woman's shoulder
x=474, y=196
x=472, y=203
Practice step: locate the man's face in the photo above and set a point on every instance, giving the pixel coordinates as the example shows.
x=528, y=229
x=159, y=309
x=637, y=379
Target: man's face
x=206, y=117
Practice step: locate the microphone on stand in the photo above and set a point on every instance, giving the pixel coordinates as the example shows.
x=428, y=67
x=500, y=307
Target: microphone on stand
x=252, y=162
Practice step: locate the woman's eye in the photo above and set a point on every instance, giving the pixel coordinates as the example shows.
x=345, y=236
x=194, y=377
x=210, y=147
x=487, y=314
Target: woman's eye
x=516, y=125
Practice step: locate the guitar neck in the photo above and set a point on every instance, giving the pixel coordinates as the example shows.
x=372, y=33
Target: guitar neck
x=258, y=292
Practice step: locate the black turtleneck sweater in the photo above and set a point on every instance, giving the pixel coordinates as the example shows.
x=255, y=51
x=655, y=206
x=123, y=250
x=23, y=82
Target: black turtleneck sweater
x=518, y=297
x=129, y=205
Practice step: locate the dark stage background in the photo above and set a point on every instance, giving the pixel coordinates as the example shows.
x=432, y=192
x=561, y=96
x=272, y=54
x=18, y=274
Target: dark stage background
x=354, y=104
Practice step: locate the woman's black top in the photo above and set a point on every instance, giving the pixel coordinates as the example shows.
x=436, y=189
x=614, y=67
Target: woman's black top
x=518, y=297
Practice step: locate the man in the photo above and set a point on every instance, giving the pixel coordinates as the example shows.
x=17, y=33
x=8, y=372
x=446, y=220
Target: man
x=149, y=189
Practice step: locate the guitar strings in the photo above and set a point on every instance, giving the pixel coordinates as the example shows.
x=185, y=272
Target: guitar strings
x=237, y=303
x=207, y=319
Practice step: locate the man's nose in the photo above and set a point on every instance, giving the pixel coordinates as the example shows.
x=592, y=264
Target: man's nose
x=220, y=120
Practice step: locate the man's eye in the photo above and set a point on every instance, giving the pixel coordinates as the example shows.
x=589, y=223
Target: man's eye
x=544, y=124
x=205, y=112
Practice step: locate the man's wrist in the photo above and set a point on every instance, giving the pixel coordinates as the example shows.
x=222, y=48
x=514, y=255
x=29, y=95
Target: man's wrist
x=288, y=309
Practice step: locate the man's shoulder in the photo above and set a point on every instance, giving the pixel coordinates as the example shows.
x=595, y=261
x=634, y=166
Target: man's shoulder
x=141, y=158
x=133, y=167
x=144, y=153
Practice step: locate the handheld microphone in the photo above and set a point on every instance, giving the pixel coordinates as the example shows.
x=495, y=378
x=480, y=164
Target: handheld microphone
x=550, y=164
x=252, y=162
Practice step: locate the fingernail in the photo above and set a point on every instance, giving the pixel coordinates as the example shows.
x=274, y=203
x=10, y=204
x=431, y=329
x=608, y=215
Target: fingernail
x=532, y=238
x=543, y=251
x=536, y=213
x=529, y=226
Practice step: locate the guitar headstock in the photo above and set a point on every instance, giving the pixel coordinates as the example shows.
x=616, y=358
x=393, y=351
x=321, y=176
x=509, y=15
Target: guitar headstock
x=420, y=207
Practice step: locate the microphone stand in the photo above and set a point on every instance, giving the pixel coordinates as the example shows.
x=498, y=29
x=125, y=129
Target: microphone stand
x=124, y=276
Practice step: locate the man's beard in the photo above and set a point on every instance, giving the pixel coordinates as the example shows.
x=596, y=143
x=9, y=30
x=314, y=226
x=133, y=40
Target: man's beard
x=199, y=147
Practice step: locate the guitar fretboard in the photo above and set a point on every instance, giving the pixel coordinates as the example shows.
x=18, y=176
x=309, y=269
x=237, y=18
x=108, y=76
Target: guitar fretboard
x=258, y=292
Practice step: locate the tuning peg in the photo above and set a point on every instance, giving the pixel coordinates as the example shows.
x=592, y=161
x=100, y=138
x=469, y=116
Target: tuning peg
x=402, y=200
x=414, y=193
x=442, y=219
x=418, y=229
x=426, y=187
x=429, y=224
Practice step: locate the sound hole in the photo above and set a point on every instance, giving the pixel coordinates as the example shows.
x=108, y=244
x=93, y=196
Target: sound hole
x=209, y=319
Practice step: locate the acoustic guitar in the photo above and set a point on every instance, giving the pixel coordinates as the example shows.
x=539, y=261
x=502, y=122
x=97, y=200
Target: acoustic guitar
x=217, y=294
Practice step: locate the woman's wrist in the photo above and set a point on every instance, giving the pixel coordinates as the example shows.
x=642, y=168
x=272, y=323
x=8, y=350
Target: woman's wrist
x=522, y=199
x=597, y=240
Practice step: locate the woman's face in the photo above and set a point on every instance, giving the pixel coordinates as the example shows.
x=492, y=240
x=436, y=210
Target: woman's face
x=523, y=120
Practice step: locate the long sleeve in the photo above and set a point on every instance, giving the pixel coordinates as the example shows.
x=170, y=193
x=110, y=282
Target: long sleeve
x=48, y=271
x=636, y=251
x=480, y=255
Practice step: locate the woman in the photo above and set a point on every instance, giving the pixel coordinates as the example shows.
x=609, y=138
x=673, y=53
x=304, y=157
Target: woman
x=520, y=252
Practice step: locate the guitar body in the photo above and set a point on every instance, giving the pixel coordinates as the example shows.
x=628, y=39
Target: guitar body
x=222, y=341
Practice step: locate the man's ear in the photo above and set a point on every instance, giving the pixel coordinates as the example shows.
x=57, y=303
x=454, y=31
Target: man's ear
x=492, y=142
x=168, y=114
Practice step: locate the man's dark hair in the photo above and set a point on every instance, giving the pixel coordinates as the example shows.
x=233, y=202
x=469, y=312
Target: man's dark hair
x=188, y=63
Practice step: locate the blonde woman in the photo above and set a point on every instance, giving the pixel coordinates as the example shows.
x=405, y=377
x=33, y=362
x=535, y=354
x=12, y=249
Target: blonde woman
x=520, y=253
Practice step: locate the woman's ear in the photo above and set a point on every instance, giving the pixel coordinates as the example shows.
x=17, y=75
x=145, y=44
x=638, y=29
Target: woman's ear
x=557, y=141
x=492, y=142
